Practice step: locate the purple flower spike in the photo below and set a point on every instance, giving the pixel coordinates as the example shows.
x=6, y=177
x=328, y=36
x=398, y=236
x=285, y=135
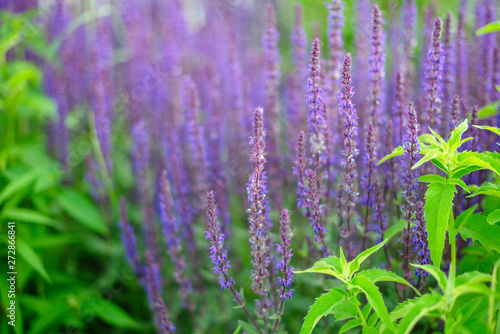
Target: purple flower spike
x=195, y=134
x=317, y=123
x=410, y=186
x=154, y=290
x=399, y=109
x=129, y=241
x=448, y=59
x=285, y=252
x=462, y=59
x=256, y=190
x=173, y=239
x=433, y=79
x=348, y=186
x=420, y=239
x=272, y=81
x=315, y=207
x=299, y=171
x=455, y=113
x=335, y=46
x=218, y=255
x=377, y=68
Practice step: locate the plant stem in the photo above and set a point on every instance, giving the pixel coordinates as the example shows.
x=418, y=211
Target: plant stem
x=278, y=313
x=240, y=303
x=491, y=308
x=362, y=317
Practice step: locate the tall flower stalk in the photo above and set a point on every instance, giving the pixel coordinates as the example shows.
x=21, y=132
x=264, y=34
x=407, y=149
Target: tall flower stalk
x=257, y=190
x=433, y=78
x=349, y=183
x=409, y=184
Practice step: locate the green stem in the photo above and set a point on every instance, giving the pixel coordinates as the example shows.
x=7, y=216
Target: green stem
x=362, y=317
x=491, y=309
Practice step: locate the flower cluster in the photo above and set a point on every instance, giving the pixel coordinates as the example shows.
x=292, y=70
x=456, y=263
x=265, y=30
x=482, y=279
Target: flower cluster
x=420, y=239
x=218, y=255
x=433, y=79
x=285, y=252
x=316, y=210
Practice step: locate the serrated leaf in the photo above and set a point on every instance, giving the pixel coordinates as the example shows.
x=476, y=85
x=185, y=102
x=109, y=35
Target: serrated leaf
x=395, y=228
x=433, y=154
x=462, y=218
x=441, y=140
x=321, y=308
x=457, y=133
x=432, y=179
x=459, y=183
x=396, y=152
x=381, y=275
x=489, y=128
x=438, y=202
x=436, y=273
x=472, y=277
x=419, y=310
x=487, y=189
x=350, y=325
x=375, y=299
x=32, y=258
x=493, y=217
x=478, y=229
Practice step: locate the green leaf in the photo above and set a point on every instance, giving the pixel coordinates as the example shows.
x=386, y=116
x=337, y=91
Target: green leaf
x=395, y=228
x=436, y=273
x=112, y=314
x=476, y=159
x=421, y=307
x=83, y=210
x=32, y=258
x=462, y=218
x=29, y=216
x=432, y=179
x=250, y=329
x=488, y=110
x=380, y=275
x=355, y=264
x=18, y=184
x=478, y=229
x=402, y=308
x=489, y=28
x=459, y=183
x=375, y=299
x=350, y=325
x=321, y=308
x=433, y=154
x=487, y=189
x=493, y=217
x=472, y=277
x=397, y=152
x=441, y=140
x=427, y=138
x=489, y=128
x=456, y=134
x=438, y=202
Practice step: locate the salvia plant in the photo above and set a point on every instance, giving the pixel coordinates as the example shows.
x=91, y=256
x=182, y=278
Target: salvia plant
x=254, y=167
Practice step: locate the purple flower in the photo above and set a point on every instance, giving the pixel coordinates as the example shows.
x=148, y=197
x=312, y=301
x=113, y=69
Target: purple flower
x=154, y=290
x=285, y=252
x=316, y=119
x=299, y=171
x=195, y=133
x=462, y=58
x=218, y=255
x=455, y=113
x=420, y=239
x=379, y=224
x=348, y=185
x=377, y=69
x=448, y=58
x=399, y=110
x=272, y=81
x=129, y=241
x=173, y=240
x=409, y=22
x=336, y=47
x=433, y=78
x=409, y=184
x=316, y=210
x=256, y=190
x=101, y=87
